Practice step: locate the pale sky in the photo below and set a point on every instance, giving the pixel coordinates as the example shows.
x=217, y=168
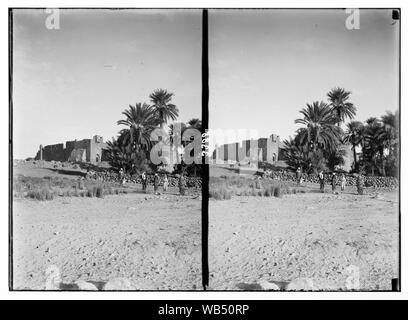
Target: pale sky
x=74, y=82
x=265, y=65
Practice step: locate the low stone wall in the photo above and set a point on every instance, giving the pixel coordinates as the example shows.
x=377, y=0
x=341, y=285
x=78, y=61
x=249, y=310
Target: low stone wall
x=110, y=176
x=369, y=181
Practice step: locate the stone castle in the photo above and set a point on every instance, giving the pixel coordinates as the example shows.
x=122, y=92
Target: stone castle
x=264, y=150
x=86, y=150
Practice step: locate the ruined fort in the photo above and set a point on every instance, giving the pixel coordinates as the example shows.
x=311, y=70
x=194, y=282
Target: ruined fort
x=263, y=150
x=85, y=150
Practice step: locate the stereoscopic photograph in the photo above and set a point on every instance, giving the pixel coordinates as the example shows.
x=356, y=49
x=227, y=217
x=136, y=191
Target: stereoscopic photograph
x=298, y=174
x=304, y=172
x=104, y=105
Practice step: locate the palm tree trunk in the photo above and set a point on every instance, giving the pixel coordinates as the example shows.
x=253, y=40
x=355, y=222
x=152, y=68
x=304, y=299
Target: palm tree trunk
x=382, y=163
x=355, y=158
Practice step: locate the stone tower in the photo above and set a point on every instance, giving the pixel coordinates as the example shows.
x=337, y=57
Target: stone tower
x=41, y=152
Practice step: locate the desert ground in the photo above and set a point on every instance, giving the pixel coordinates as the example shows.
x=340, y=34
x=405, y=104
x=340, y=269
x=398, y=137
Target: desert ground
x=326, y=241
x=152, y=241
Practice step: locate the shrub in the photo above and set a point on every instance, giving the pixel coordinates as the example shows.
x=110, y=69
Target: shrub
x=41, y=194
x=269, y=191
x=49, y=195
x=81, y=185
x=277, y=192
x=221, y=193
x=257, y=184
x=99, y=192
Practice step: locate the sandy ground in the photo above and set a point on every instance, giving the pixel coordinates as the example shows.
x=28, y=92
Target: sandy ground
x=323, y=237
x=154, y=241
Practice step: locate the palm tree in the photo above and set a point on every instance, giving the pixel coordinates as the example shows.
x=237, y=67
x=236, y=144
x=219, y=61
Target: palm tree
x=335, y=157
x=338, y=98
x=390, y=130
x=372, y=144
x=195, y=123
x=294, y=153
x=297, y=155
x=321, y=130
x=140, y=120
x=161, y=103
x=120, y=156
x=353, y=135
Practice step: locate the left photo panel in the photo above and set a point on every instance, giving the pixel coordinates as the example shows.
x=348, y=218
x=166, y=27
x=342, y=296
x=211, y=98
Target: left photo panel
x=105, y=110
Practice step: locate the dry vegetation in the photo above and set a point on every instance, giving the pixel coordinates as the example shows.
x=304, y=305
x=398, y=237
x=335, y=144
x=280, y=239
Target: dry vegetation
x=47, y=188
x=223, y=188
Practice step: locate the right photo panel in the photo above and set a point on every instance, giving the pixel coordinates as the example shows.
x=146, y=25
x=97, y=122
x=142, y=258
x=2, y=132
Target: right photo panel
x=304, y=141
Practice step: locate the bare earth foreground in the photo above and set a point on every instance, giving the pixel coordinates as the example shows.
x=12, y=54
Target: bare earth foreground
x=323, y=237
x=152, y=240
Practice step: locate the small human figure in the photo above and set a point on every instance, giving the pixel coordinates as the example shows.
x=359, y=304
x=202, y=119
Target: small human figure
x=165, y=182
x=334, y=181
x=360, y=184
x=156, y=183
x=298, y=175
x=122, y=176
x=321, y=180
x=343, y=182
x=144, y=181
x=181, y=185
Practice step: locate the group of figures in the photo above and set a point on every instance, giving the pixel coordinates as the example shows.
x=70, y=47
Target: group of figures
x=156, y=182
x=333, y=181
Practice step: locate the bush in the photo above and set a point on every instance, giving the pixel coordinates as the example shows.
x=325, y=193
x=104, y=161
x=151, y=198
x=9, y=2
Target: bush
x=277, y=192
x=81, y=185
x=221, y=193
x=269, y=191
x=257, y=184
x=41, y=194
x=99, y=192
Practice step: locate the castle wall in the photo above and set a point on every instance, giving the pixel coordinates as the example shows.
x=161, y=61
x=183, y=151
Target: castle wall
x=89, y=150
x=268, y=150
x=53, y=152
x=71, y=146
